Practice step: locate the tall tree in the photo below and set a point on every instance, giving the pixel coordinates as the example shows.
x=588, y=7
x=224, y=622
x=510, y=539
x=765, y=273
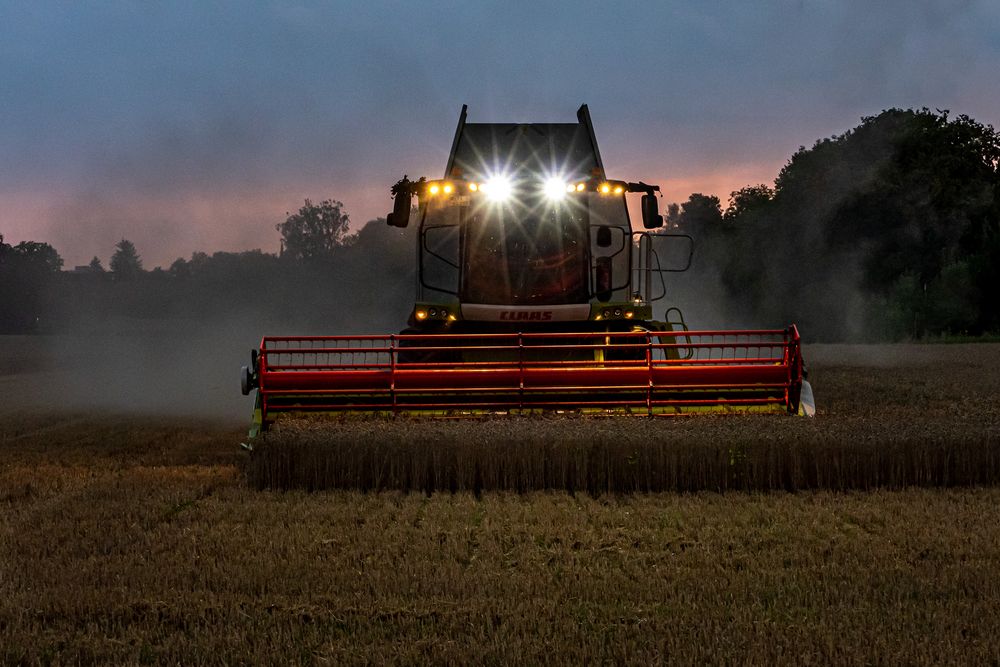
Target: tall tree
x=889, y=229
x=40, y=254
x=180, y=268
x=315, y=231
x=701, y=213
x=96, y=266
x=28, y=271
x=672, y=218
x=748, y=200
x=125, y=263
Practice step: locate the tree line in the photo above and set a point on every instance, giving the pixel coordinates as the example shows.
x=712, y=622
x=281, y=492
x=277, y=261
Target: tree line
x=888, y=231
x=325, y=276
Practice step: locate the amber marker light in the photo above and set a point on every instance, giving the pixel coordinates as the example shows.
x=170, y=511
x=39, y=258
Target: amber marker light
x=580, y=187
x=605, y=188
x=473, y=187
x=434, y=189
x=619, y=189
x=448, y=188
x=421, y=314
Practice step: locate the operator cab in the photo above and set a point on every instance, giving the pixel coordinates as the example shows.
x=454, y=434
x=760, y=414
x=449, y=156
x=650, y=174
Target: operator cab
x=526, y=227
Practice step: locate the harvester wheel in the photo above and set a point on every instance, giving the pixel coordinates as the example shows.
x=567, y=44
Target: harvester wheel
x=246, y=380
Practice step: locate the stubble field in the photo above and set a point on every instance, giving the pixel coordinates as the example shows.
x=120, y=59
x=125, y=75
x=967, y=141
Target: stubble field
x=131, y=538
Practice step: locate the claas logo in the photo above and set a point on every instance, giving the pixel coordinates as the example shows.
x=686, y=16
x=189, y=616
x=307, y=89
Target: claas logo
x=537, y=315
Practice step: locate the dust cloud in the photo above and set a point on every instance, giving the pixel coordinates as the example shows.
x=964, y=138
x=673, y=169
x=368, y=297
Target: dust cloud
x=165, y=370
x=172, y=343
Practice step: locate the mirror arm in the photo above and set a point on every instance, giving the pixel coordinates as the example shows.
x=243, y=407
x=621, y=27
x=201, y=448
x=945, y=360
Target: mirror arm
x=642, y=187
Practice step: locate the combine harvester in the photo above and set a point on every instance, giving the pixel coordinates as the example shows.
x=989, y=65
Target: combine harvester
x=534, y=294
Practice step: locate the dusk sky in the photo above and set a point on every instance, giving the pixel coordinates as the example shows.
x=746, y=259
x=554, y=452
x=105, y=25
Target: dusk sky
x=186, y=128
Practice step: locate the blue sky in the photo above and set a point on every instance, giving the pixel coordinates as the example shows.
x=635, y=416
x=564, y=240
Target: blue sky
x=187, y=127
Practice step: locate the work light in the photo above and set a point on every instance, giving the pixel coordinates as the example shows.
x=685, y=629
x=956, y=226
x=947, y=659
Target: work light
x=497, y=188
x=555, y=188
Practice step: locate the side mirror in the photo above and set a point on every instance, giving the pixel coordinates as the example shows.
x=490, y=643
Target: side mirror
x=651, y=218
x=603, y=279
x=400, y=216
x=603, y=237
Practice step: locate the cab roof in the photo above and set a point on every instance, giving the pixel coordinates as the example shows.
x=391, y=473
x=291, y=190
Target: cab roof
x=482, y=150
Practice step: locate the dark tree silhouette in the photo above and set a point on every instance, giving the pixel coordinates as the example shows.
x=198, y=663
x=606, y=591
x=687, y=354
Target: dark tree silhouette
x=888, y=230
x=126, y=263
x=39, y=254
x=700, y=214
x=180, y=268
x=672, y=217
x=315, y=231
x=96, y=266
x=27, y=272
x=747, y=201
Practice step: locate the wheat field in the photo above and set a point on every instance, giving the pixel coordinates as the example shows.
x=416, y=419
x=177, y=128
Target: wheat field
x=135, y=539
x=890, y=417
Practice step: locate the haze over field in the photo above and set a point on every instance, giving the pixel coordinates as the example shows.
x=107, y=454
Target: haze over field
x=184, y=128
